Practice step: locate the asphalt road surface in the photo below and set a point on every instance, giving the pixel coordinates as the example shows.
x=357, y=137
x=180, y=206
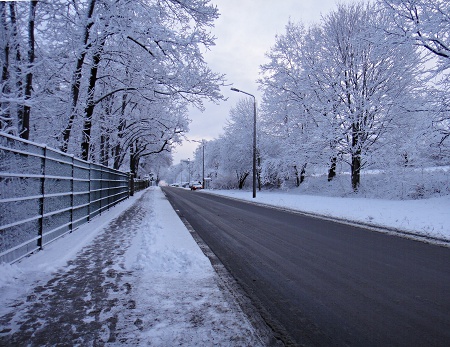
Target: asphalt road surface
x=321, y=283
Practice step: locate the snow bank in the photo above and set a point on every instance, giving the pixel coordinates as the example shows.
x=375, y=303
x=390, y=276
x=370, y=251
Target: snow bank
x=164, y=247
x=177, y=286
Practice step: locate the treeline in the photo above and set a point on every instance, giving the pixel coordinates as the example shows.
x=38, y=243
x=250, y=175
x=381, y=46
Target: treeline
x=106, y=80
x=366, y=88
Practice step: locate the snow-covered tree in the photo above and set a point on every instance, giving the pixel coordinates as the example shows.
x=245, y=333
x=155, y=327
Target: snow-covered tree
x=237, y=142
x=426, y=23
x=373, y=79
x=101, y=68
x=156, y=166
x=17, y=29
x=341, y=87
x=289, y=113
x=213, y=164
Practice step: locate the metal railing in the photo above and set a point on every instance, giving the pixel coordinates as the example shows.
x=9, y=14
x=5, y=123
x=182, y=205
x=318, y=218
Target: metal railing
x=45, y=194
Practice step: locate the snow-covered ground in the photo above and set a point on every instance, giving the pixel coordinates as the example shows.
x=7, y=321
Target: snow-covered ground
x=175, y=293
x=178, y=282
x=427, y=217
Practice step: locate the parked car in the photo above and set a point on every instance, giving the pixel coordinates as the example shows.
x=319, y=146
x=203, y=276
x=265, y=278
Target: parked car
x=196, y=186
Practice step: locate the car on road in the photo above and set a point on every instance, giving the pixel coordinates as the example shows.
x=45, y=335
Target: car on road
x=196, y=186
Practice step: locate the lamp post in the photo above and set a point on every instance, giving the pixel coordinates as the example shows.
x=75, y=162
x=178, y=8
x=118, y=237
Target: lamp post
x=203, y=173
x=188, y=161
x=254, y=137
x=203, y=161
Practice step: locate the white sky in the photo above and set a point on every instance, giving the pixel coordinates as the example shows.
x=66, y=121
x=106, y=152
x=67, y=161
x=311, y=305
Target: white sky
x=245, y=31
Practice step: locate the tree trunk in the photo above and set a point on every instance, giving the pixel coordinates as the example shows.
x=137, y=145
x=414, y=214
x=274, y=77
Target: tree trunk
x=242, y=179
x=104, y=149
x=356, y=170
x=134, y=159
x=118, y=156
x=90, y=105
x=332, y=170
x=6, y=122
x=303, y=173
x=104, y=137
x=117, y=151
x=300, y=177
x=356, y=157
x=25, y=127
x=297, y=177
x=17, y=63
x=76, y=80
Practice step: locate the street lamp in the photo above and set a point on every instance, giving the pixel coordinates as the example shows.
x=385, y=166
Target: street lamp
x=189, y=171
x=188, y=161
x=203, y=171
x=254, y=137
x=203, y=163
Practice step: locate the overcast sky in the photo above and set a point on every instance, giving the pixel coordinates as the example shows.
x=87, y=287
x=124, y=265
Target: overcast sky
x=245, y=31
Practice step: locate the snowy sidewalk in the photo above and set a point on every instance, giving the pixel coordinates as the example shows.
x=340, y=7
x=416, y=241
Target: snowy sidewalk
x=139, y=279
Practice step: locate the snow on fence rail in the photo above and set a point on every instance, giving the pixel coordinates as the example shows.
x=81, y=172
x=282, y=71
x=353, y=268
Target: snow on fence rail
x=45, y=194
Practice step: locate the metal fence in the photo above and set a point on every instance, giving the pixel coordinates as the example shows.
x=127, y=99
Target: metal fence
x=45, y=194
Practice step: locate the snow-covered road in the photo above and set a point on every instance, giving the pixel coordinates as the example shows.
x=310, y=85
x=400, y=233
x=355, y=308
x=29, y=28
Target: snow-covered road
x=139, y=280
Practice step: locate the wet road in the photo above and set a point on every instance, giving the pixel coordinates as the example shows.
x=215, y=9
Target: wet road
x=321, y=283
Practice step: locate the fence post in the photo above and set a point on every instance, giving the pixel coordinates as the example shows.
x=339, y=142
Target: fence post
x=110, y=183
x=71, y=196
x=89, y=200
x=101, y=190
x=40, y=241
x=131, y=184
